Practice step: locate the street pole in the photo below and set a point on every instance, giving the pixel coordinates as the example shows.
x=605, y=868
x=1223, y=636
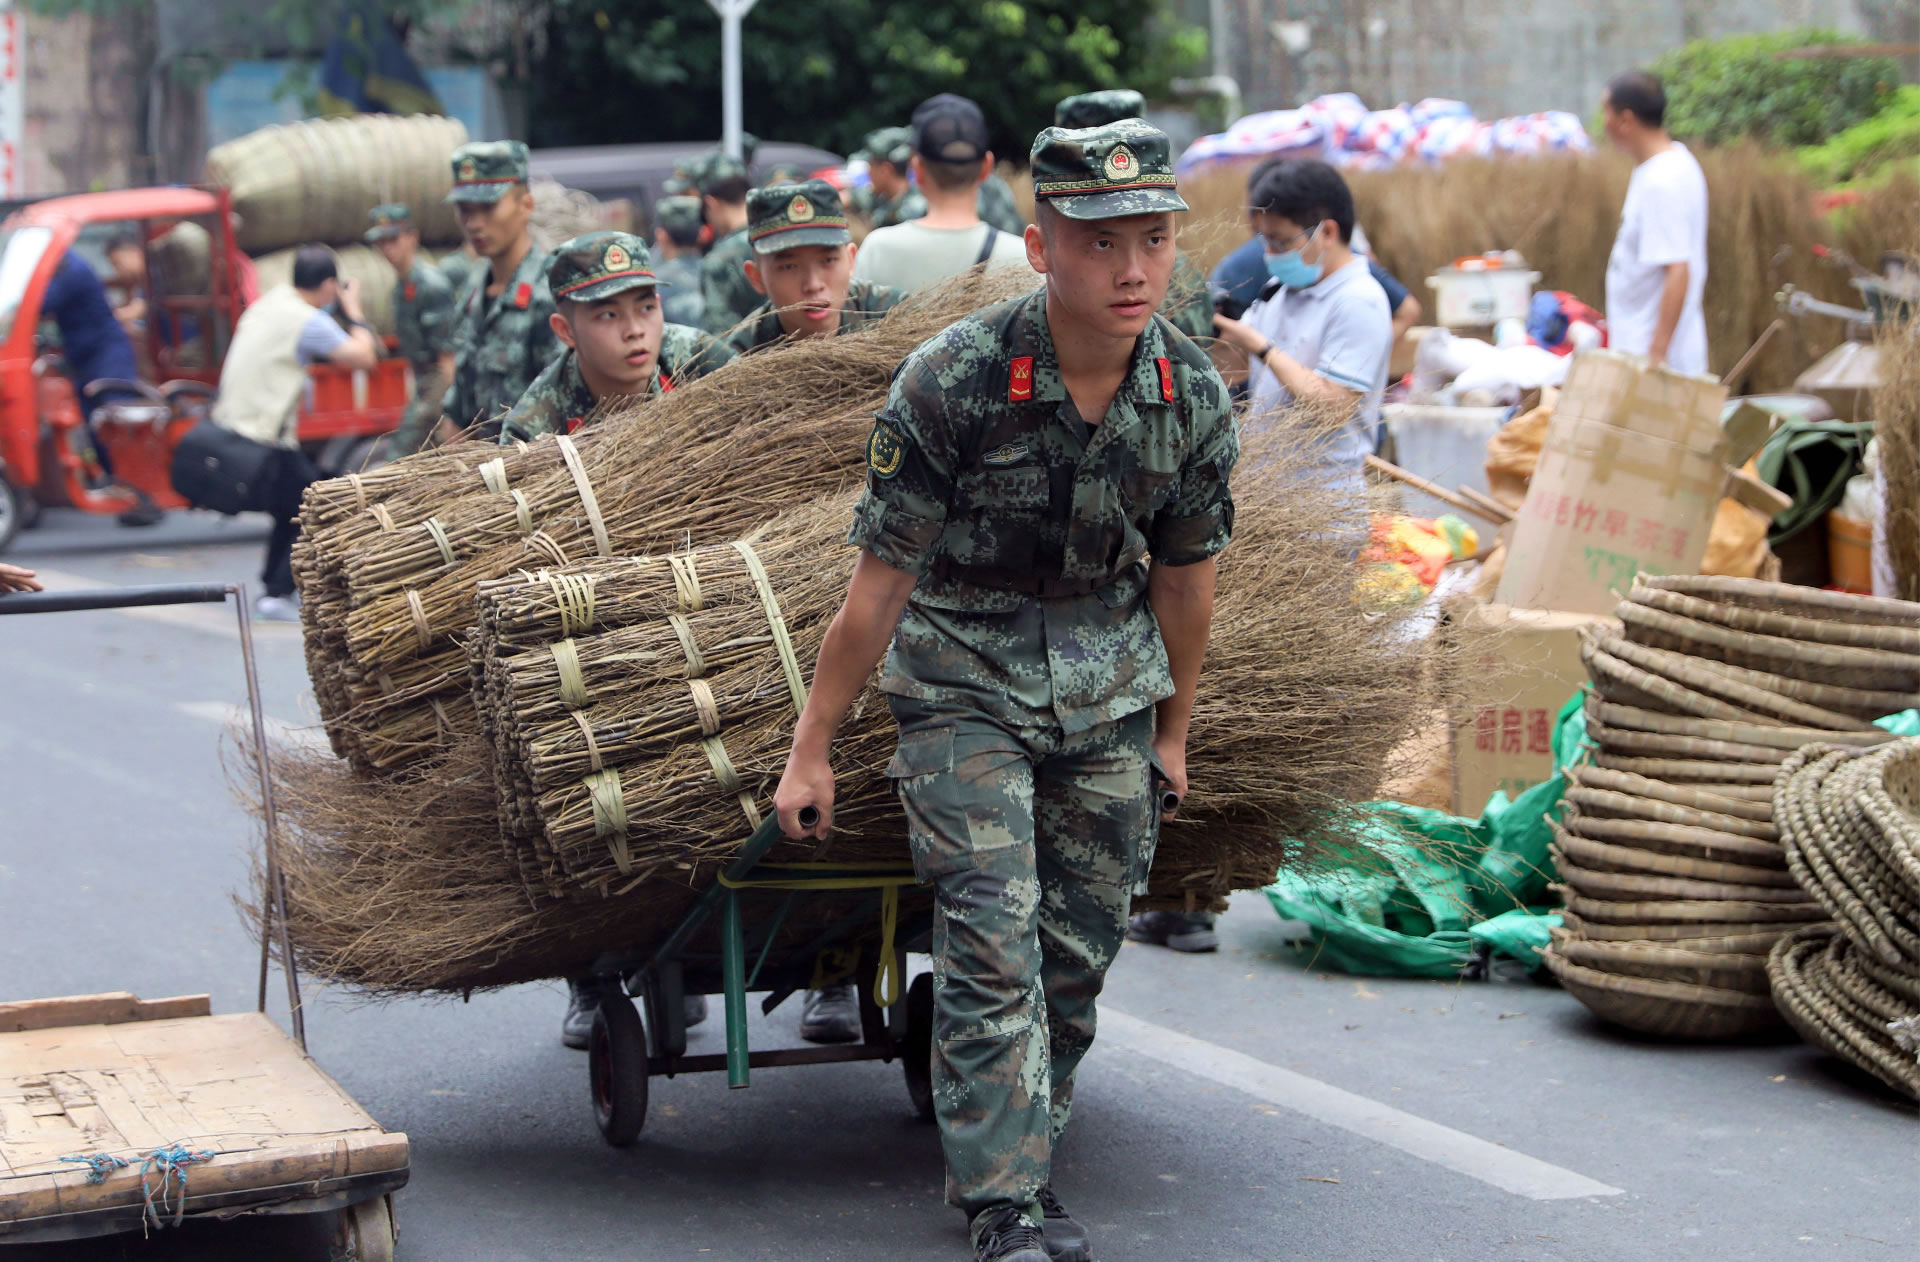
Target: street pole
x=731, y=14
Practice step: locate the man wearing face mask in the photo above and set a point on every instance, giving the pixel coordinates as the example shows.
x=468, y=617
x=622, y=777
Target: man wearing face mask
x=1320, y=331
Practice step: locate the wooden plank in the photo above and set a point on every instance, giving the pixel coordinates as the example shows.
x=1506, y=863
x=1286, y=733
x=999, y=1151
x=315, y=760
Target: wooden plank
x=112, y=1007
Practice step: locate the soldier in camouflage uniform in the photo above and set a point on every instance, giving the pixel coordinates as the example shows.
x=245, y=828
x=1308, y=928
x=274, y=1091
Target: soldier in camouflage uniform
x=458, y=267
x=803, y=262
x=893, y=198
x=502, y=331
x=723, y=276
x=617, y=342
x=1189, y=304
x=1029, y=460
x=422, y=320
x=676, y=247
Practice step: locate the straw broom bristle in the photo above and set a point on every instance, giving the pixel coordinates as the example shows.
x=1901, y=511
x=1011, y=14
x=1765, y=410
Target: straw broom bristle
x=406, y=883
x=1896, y=415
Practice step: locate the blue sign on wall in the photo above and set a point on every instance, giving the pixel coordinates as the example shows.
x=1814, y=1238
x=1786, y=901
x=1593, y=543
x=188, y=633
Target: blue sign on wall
x=249, y=95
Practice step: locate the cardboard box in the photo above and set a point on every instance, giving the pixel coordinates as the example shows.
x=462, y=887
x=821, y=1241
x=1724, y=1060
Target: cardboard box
x=1521, y=666
x=1629, y=478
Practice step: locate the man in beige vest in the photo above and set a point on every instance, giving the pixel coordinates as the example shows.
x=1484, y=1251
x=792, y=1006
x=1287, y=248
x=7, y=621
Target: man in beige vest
x=264, y=379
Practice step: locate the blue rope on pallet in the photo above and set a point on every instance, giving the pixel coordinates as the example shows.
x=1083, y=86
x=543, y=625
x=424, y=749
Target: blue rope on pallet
x=169, y=1162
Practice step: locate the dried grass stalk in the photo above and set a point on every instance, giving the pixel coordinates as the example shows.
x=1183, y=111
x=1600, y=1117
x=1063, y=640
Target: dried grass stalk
x=1896, y=412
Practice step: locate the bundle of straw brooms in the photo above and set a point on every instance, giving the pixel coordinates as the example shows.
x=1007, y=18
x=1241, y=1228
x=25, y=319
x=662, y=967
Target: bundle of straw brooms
x=608, y=728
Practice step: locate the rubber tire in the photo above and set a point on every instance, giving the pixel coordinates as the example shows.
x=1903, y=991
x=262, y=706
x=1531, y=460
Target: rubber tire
x=617, y=1070
x=916, y=1049
x=16, y=507
x=366, y=1232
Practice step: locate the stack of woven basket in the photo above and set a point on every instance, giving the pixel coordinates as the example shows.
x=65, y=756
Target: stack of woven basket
x=1675, y=881
x=1850, y=820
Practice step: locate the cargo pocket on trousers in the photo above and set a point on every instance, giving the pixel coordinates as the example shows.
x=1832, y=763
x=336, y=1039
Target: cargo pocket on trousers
x=1156, y=784
x=922, y=773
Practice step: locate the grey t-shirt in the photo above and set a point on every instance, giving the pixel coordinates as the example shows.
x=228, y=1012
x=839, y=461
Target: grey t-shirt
x=318, y=338
x=912, y=256
x=1341, y=329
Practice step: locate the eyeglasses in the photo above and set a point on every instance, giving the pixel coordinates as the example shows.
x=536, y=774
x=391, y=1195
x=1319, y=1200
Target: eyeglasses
x=1295, y=242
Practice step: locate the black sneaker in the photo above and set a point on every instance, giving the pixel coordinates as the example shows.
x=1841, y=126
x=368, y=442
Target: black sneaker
x=1004, y=1236
x=143, y=513
x=1174, y=930
x=1066, y=1239
x=583, y=1000
x=830, y=1015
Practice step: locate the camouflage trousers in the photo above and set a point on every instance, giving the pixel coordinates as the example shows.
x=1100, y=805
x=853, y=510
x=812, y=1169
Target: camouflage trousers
x=422, y=414
x=1034, y=841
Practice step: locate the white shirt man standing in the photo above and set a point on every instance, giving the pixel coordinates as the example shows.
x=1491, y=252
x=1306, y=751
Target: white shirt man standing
x=950, y=159
x=1657, y=273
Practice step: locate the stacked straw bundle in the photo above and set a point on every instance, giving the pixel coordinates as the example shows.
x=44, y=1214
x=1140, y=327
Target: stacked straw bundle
x=1850, y=819
x=591, y=801
x=394, y=584
x=1676, y=882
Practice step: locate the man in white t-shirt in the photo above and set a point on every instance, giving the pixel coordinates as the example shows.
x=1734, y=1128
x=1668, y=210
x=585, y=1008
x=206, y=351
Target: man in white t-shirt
x=1658, y=270
x=950, y=159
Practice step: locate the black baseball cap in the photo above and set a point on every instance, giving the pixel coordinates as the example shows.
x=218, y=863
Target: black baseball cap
x=949, y=128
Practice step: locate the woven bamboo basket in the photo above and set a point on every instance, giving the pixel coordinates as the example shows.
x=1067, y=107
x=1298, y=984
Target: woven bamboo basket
x=1792, y=598
x=1893, y=638
x=1766, y=735
x=1608, y=803
x=1731, y=939
x=1621, y=681
x=1676, y=839
x=1598, y=856
x=1821, y=663
x=1669, y=1008
x=1820, y=992
x=1726, y=970
x=1703, y=917
x=1621, y=740
x=1772, y=696
x=1684, y=795
x=1629, y=886
x=1700, y=772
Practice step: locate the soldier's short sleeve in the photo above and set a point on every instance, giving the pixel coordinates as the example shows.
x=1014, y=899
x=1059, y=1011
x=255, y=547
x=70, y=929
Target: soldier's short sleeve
x=1198, y=521
x=910, y=463
x=704, y=354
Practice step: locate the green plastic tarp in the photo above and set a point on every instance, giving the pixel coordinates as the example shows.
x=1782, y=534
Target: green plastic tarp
x=1418, y=887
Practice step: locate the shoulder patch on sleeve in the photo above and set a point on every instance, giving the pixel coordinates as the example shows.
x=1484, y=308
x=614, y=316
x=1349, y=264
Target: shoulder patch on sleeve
x=886, y=449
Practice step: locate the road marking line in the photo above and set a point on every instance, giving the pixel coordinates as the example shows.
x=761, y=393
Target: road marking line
x=279, y=731
x=1466, y=1154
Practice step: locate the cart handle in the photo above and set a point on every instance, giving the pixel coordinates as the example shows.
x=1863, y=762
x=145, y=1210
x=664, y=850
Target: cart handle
x=115, y=598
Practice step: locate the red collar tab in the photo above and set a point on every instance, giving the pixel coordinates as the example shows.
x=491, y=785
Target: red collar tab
x=1020, y=380
x=575, y=422
x=408, y=292
x=1166, y=379
x=666, y=384
x=523, y=295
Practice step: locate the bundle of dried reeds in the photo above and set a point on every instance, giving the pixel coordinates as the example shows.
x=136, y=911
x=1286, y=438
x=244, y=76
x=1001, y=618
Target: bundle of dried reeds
x=1896, y=418
x=1307, y=690
x=645, y=477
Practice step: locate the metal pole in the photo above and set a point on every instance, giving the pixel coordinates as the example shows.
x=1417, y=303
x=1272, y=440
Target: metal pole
x=733, y=971
x=732, y=13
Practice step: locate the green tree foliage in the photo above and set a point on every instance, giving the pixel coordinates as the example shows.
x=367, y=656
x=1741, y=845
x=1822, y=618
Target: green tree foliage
x=1720, y=91
x=825, y=74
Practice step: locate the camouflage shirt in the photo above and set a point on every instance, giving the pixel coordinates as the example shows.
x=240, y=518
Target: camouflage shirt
x=500, y=344
x=423, y=315
x=680, y=296
x=1189, y=303
x=866, y=302
x=1028, y=528
x=995, y=205
x=723, y=282
x=458, y=268
x=886, y=212
x=558, y=401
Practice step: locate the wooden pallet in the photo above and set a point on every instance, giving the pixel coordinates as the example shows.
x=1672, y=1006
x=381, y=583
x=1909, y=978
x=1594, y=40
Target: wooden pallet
x=119, y=1075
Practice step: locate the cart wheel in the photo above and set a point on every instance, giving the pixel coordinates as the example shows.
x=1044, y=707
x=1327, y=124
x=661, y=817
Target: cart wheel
x=366, y=1231
x=916, y=1050
x=17, y=507
x=617, y=1066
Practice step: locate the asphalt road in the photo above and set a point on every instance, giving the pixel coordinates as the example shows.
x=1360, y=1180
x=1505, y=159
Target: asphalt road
x=1238, y=1106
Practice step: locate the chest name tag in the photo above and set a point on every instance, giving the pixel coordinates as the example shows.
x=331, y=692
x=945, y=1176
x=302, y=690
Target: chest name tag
x=1005, y=454
x=1020, y=380
x=1166, y=379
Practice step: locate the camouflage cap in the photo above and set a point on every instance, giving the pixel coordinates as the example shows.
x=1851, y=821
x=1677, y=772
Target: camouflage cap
x=680, y=216
x=485, y=170
x=808, y=213
x=710, y=168
x=387, y=222
x=599, y=265
x=679, y=185
x=890, y=144
x=1097, y=109
x=1124, y=168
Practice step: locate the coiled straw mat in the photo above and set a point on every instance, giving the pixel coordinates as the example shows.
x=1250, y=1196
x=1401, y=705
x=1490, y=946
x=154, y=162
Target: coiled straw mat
x=1674, y=1009
x=1822, y=663
x=1597, y=856
x=1727, y=970
x=1822, y=986
x=1855, y=845
x=1628, y=887
x=1676, y=839
x=1724, y=939
x=1790, y=598
x=1691, y=796
x=1793, y=700
x=1701, y=917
